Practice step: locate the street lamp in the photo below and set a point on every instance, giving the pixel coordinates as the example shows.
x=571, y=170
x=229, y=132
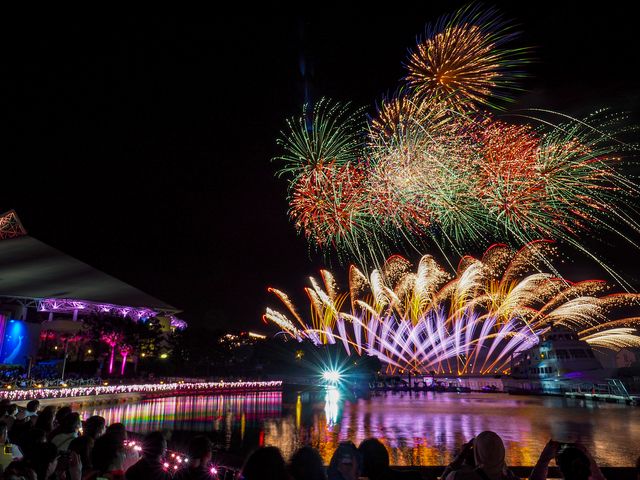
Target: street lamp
x=66, y=337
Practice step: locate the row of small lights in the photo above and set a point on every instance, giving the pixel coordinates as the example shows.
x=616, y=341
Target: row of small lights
x=179, y=460
x=105, y=388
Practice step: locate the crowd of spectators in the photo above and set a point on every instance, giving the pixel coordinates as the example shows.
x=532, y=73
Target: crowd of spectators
x=482, y=458
x=46, y=444
x=44, y=375
x=55, y=444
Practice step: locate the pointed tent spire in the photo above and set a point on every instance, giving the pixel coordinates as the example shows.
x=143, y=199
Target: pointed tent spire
x=10, y=225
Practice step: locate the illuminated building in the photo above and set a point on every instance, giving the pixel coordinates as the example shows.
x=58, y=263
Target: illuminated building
x=43, y=288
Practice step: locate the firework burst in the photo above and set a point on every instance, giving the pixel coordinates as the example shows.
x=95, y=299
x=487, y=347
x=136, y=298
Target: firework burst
x=328, y=135
x=328, y=205
x=432, y=169
x=473, y=323
x=461, y=60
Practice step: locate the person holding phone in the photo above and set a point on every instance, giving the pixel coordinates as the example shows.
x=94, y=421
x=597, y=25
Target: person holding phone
x=346, y=463
x=574, y=460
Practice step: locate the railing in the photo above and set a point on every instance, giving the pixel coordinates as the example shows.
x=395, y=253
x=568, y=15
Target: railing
x=613, y=387
x=616, y=387
x=618, y=473
x=148, y=389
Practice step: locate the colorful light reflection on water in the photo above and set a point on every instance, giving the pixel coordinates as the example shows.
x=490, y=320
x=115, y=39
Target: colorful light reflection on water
x=418, y=429
x=227, y=416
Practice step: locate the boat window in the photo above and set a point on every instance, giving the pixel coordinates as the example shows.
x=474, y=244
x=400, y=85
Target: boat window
x=577, y=353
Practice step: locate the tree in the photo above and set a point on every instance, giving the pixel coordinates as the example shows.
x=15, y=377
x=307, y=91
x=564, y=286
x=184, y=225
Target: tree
x=106, y=334
x=201, y=350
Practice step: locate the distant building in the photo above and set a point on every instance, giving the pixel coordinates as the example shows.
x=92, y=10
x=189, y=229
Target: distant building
x=627, y=357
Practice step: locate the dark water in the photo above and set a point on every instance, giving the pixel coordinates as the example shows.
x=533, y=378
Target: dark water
x=418, y=429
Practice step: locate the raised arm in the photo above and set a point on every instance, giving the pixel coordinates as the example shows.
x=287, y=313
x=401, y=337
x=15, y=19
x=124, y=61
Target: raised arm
x=541, y=469
x=596, y=474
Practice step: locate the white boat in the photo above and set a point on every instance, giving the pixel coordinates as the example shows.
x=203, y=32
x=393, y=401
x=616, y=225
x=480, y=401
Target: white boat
x=563, y=364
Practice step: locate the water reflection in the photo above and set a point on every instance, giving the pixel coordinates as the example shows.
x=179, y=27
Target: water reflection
x=331, y=405
x=427, y=428
x=227, y=417
x=418, y=429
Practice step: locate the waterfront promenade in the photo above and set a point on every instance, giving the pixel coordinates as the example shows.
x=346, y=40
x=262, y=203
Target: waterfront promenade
x=105, y=392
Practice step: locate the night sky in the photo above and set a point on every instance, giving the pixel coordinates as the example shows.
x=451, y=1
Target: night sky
x=140, y=143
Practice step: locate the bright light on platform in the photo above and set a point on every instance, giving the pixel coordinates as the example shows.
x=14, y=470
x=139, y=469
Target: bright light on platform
x=332, y=376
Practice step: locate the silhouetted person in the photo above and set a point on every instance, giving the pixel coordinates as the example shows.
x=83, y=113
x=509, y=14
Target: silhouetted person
x=375, y=459
x=9, y=415
x=346, y=463
x=42, y=458
x=575, y=462
x=58, y=428
x=83, y=446
x=94, y=426
x=119, y=429
x=30, y=438
x=199, y=455
x=33, y=407
x=45, y=420
x=70, y=427
x=107, y=457
x=28, y=420
x=488, y=455
x=265, y=463
x=306, y=464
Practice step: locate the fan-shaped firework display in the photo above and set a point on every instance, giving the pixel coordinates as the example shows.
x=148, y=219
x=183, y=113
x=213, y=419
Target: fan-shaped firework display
x=430, y=168
x=425, y=321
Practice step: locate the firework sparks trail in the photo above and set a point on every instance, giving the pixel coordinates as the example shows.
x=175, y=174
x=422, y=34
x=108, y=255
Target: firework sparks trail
x=473, y=323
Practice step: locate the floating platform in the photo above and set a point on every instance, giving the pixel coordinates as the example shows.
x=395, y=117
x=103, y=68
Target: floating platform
x=599, y=397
